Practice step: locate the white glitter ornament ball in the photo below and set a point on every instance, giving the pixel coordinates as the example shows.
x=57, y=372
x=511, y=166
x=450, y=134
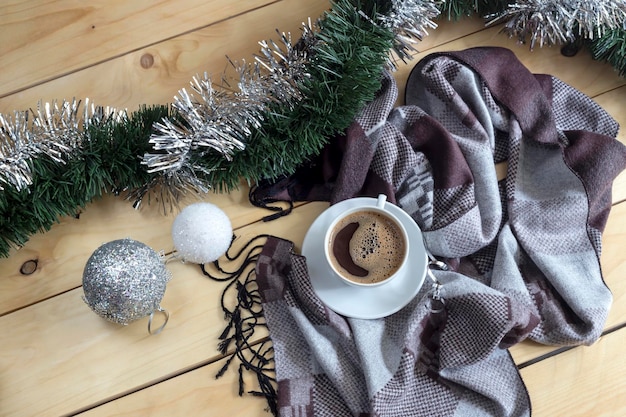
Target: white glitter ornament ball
x=202, y=233
x=124, y=280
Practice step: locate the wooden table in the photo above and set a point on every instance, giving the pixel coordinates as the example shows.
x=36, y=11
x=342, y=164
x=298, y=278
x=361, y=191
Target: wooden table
x=58, y=358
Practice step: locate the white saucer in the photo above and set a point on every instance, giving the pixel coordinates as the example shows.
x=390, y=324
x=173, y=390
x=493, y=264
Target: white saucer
x=363, y=302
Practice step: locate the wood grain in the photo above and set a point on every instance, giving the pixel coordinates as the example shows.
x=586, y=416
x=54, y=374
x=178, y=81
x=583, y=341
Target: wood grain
x=613, y=101
x=582, y=382
x=550, y=381
x=176, y=61
x=61, y=340
x=59, y=358
x=564, y=385
x=84, y=34
x=70, y=242
x=196, y=393
x=589, y=76
x=123, y=78
x=61, y=253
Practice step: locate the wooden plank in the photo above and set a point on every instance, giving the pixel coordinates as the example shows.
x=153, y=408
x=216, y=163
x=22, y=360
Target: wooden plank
x=61, y=357
x=58, y=357
x=73, y=35
x=155, y=73
x=564, y=385
x=446, y=32
x=125, y=83
x=60, y=254
x=553, y=383
x=196, y=393
x=614, y=263
x=106, y=220
x=585, y=381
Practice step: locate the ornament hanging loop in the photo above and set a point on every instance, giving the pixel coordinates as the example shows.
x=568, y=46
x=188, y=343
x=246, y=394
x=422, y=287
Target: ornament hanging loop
x=175, y=256
x=165, y=313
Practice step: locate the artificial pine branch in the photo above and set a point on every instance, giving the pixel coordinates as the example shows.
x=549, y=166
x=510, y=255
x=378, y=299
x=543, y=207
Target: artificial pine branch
x=457, y=9
x=106, y=162
x=345, y=72
x=344, y=61
x=611, y=47
x=554, y=22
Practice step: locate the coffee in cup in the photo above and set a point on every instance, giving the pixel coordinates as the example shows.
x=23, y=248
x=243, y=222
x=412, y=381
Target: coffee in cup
x=366, y=245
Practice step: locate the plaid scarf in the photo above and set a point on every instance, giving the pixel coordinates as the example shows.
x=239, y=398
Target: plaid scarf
x=523, y=251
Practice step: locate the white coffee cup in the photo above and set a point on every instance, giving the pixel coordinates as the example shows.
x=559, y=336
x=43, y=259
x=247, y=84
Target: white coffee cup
x=367, y=246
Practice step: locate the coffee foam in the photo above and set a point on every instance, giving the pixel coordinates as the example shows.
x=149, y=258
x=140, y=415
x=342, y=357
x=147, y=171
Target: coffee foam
x=377, y=245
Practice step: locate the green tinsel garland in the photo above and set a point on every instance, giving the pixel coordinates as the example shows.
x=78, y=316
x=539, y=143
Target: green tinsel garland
x=345, y=69
x=59, y=190
x=455, y=10
x=611, y=48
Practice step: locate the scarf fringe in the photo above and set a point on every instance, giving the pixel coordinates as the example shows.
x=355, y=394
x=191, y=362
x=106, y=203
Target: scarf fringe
x=260, y=197
x=243, y=320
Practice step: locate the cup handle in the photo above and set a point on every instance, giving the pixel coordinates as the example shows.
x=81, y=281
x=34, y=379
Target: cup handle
x=382, y=199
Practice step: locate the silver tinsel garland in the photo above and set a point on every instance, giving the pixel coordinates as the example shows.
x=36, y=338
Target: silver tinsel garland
x=558, y=22
x=209, y=117
x=220, y=118
x=409, y=20
x=53, y=129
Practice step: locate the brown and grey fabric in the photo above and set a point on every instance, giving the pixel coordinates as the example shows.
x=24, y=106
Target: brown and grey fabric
x=523, y=251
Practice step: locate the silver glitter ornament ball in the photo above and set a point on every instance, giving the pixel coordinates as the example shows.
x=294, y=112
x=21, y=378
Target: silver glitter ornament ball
x=124, y=280
x=202, y=233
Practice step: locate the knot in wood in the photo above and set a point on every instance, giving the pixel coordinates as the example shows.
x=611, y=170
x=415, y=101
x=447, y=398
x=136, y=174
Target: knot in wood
x=146, y=61
x=29, y=267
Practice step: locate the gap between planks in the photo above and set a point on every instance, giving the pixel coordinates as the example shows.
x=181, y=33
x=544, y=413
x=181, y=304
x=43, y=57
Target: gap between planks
x=133, y=50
